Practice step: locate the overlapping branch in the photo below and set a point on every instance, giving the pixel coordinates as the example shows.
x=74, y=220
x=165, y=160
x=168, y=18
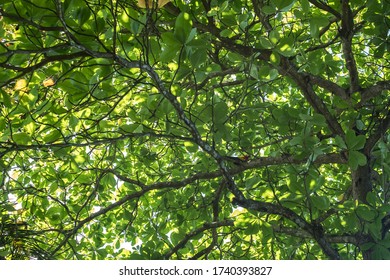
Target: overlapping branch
x=314, y=229
x=250, y=204
x=287, y=68
x=305, y=82
x=190, y=235
x=373, y=91
x=321, y=5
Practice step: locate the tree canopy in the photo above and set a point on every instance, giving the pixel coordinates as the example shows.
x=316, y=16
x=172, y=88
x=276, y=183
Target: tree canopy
x=205, y=129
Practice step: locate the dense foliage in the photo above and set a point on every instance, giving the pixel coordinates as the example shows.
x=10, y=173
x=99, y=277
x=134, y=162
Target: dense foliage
x=205, y=129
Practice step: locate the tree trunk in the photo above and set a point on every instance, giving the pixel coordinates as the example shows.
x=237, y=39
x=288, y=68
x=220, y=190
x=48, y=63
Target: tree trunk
x=361, y=182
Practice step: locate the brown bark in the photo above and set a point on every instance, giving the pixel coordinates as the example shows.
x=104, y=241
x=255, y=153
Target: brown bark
x=361, y=183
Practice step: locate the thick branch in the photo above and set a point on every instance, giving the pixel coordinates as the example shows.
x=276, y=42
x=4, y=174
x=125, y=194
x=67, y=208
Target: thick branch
x=373, y=91
x=314, y=229
x=258, y=8
x=346, y=34
x=329, y=86
x=319, y=4
x=349, y=238
x=287, y=68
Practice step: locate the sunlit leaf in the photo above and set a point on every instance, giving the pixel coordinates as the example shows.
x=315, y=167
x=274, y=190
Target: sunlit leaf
x=20, y=84
x=194, y=129
x=183, y=27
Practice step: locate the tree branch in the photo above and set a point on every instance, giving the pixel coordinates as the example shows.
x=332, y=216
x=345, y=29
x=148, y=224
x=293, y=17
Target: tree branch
x=258, y=8
x=346, y=34
x=319, y=4
x=24, y=70
x=373, y=91
x=287, y=68
x=10, y=147
x=314, y=229
x=188, y=236
x=380, y=130
x=329, y=86
x=29, y=22
x=349, y=238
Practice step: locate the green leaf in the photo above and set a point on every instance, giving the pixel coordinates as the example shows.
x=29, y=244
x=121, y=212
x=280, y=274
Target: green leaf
x=234, y=57
x=316, y=23
x=183, y=27
x=252, y=228
x=108, y=180
x=176, y=237
x=52, y=136
x=170, y=40
x=55, y=214
x=132, y=128
x=321, y=202
x=168, y=54
x=380, y=252
x=286, y=46
x=21, y=138
x=220, y=112
x=340, y=142
x=6, y=100
x=268, y=10
x=305, y=6
x=265, y=43
x=4, y=253
x=84, y=179
x=191, y=36
x=226, y=33
x=274, y=36
x=297, y=140
x=220, y=133
x=198, y=57
x=318, y=119
x=254, y=71
x=9, y=208
x=265, y=73
x=365, y=212
x=274, y=59
x=183, y=72
x=283, y=5
x=137, y=256
x=73, y=121
x=374, y=228
x=83, y=15
x=356, y=159
x=354, y=142
x=191, y=147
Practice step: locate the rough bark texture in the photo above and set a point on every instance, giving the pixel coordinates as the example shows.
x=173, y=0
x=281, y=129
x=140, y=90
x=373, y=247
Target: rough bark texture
x=361, y=183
